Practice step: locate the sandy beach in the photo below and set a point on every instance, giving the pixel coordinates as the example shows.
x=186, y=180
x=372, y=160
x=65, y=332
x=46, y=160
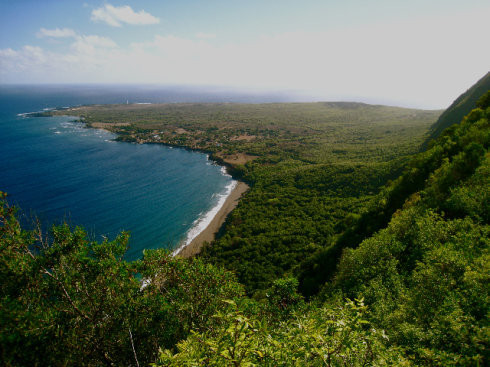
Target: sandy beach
x=208, y=234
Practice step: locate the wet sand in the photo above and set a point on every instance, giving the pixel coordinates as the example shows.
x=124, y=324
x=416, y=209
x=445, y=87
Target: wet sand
x=208, y=234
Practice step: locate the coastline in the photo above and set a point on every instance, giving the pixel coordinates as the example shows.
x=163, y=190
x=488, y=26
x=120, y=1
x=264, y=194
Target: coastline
x=205, y=235
x=208, y=234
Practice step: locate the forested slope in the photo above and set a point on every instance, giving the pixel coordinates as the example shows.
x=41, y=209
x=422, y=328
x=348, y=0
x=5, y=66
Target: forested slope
x=426, y=275
x=460, y=107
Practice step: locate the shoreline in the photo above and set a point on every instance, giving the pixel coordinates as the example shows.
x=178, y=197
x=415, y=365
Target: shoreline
x=208, y=234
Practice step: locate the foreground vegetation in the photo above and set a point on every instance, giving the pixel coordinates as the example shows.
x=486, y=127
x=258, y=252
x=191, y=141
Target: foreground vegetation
x=402, y=280
x=77, y=302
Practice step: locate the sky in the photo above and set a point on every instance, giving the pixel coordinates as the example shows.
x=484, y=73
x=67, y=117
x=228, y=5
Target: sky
x=414, y=53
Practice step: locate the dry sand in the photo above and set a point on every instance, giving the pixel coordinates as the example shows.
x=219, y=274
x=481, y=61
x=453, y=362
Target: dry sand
x=208, y=234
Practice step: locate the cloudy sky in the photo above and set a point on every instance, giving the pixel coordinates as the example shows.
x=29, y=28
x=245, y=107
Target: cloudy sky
x=420, y=53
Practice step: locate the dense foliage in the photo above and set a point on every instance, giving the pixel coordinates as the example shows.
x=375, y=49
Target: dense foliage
x=325, y=336
x=77, y=302
x=292, y=211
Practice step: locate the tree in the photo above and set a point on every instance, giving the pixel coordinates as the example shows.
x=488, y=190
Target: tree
x=326, y=336
x=73, y=301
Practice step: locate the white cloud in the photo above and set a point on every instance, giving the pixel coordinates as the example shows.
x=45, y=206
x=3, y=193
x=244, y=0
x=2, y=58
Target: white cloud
x=86, y=58
x=114, y=16
x=203, y=35
x=56, y=33
x=7, y=52
x=95, y=41
x=21, y=61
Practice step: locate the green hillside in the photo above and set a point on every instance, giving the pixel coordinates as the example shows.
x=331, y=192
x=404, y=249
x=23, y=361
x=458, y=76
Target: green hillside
x=460, y=107
x=321, y=266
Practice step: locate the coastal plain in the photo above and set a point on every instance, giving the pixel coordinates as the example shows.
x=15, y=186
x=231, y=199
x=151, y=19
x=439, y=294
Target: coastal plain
x=238, y=133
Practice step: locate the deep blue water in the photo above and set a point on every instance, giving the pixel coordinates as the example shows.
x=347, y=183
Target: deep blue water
x=57, y=170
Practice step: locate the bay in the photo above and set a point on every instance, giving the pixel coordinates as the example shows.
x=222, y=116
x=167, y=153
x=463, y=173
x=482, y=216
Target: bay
x=58, y=171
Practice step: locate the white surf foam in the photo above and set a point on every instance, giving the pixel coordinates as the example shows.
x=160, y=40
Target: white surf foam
x=205, y=219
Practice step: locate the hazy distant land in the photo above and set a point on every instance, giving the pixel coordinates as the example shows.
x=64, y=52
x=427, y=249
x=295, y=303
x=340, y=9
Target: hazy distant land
x=238, y=133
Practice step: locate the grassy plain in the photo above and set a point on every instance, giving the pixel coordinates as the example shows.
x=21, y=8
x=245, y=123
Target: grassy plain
x=313, y=132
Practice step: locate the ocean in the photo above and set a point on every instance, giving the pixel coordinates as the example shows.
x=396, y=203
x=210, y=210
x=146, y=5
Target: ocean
x=56, y=170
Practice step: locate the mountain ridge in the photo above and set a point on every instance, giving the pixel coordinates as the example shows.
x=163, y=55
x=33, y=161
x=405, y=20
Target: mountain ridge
x=459, y=108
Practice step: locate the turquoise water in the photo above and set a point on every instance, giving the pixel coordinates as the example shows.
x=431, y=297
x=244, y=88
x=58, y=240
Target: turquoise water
x=57, y=170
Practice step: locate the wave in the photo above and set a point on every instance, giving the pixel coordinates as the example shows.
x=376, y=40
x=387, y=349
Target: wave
x=27, y=114
x=205, y=219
